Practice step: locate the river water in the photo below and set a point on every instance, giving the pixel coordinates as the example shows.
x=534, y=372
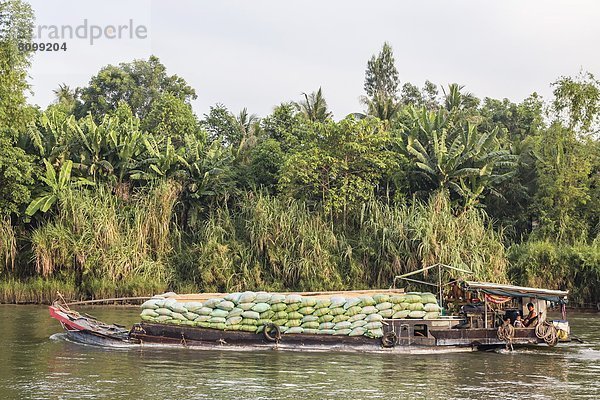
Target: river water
x=38, y=363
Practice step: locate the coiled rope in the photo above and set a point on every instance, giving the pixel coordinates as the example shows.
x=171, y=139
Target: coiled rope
x=506, y=333
x=547, y=332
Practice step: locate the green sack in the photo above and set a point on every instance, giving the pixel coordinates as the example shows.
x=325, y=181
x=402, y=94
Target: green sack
x=430, y=307
x=322, y=303
x=310, y=325
x=374, y=333
x=306, y=310
x=367, y=301
x=233, y=327
x=148, y=318
x=251, y=315
x=190, y=316
x=261, y=321
x=248, y=328
x=234, y=321
x=192, y=306
x=386, y=313
x=246, y=306
x=278, y=307
x=203, y=324
x=283, y=329
x=428, y=298
x=164, y=311
x=352, y=311
x=226, y=305
x=357, y=317
x=417, y=307
x=267, y=314
x=358, y=331
x=217, y=320
x=163, y=318
x=326, y=325
x=295, y=329
x=204, y=311
x=280, y=315
x=431, y=315
x=293, y=307
x=386, y=305
x=342, y=325
x=150, y=304
x=203, y=318
x=212, y=303
x=397, y=307
x=148, y=312
x=280, y=322
x=338, y=311
x=373, y=325
x=236, y=312
x=369, y=310
x=352, y=302
x=233, y=297
x=337, y=301
x=342, y=332
x=340, y=318
x=293, y=323
x=401, y=314
x=373, y=317
x=326, y=318
x=309, y=302
x=247, y=297
x=417, y=314
x=249, y=321
x=219, y=313
x=261, y=307
x=277, y=299
x=310, y=318
x=326, y=331
x=262, y=297
x=293, y=298
x=295, y=315
x=319, y=312
x=381, y=298
x=308, y=331
x=397, y=299
x=357, y=324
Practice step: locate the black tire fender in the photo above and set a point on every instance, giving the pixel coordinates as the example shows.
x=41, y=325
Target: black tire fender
x=389, y=339
x=272, y=333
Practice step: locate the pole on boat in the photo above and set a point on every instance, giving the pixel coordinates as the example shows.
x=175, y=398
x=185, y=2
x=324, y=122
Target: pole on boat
x=440, y=284
x=485, y=305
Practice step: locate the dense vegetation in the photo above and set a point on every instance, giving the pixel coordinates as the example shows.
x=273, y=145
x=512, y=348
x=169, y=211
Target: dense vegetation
x=118, y=188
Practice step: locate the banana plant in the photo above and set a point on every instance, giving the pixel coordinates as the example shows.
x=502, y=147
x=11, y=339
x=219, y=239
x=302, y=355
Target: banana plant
x=56, y=186
x=455, y=156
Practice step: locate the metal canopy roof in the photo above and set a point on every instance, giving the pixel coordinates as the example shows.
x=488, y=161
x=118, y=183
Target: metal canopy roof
x=557, y=296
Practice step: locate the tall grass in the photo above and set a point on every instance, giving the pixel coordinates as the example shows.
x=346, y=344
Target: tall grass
x=99, y=237
x=393, y=240
x=569, y=267
x=8, y=244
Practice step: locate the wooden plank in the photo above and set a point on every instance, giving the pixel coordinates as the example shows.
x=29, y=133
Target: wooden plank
x=345, y=293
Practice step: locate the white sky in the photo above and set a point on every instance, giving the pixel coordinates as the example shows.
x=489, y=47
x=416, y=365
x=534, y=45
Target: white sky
x=258, y=53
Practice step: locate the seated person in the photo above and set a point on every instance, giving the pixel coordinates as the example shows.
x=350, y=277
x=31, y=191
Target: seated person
x=518, y=322
x=531, y=317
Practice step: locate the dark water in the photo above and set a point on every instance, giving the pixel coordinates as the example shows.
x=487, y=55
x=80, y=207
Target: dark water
x=35, y=364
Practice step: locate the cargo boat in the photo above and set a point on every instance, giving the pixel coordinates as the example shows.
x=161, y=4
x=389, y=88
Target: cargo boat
x=484, y=322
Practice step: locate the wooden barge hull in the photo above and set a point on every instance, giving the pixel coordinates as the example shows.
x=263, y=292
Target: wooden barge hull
x=407, y=340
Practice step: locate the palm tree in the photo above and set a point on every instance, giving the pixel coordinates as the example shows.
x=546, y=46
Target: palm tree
x=65, y=95
x=314, y=107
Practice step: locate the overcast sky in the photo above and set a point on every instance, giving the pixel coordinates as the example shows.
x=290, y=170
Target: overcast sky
x=258, y=53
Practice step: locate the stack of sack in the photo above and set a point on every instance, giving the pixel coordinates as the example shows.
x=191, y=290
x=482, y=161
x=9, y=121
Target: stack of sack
x=292, y=313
